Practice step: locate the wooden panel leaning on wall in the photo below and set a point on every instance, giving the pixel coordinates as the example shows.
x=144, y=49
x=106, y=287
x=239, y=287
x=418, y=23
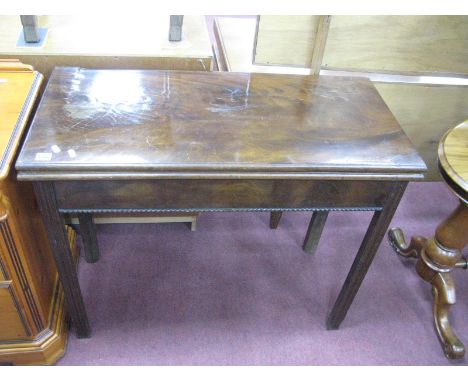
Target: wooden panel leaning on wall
x=33, y=327
x=422, y=44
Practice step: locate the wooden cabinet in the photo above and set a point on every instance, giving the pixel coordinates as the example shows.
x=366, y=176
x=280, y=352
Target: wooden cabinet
x=12, y=320
x=32, y=322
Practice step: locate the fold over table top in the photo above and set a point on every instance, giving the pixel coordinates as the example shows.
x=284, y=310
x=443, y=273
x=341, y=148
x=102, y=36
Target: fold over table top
x=95, y=124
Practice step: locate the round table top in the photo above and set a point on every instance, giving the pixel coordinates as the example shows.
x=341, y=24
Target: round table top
x=453, y=159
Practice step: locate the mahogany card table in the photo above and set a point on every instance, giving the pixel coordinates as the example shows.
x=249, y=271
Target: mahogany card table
x=176, y=141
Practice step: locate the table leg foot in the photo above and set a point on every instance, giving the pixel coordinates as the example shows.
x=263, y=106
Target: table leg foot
x=89, y=237
x=83, y=333
x=331, y=324
x=398, y=243
x=443, y=290
x=374, y=235
x=60, y=247
x=275, y=217
x=314, y=231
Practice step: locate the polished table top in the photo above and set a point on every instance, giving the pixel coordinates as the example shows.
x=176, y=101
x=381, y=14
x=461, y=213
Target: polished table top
x=111, y=124
x=453, y=159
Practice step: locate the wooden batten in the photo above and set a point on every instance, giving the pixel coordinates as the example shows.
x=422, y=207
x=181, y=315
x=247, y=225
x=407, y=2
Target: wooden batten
x=319, y=44
x=401, y=44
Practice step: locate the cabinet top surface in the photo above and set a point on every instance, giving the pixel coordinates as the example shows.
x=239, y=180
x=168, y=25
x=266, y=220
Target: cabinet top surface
x=18, y=90
x=160, y=122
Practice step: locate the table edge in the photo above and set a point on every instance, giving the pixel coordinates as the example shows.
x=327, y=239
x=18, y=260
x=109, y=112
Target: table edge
x=51, y=176
x=456, y=183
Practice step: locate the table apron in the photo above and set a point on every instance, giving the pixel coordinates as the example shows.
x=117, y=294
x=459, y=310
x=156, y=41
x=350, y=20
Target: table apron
x=205, y=194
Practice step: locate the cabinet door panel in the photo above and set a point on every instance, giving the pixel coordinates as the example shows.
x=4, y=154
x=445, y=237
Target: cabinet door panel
x=13, y=325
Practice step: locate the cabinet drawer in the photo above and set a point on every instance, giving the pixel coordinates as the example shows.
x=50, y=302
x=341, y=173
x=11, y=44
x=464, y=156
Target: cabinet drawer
x=13, y=325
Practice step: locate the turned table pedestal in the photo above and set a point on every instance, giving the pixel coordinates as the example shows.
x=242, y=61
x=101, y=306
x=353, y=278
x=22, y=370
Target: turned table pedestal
x=440, y=254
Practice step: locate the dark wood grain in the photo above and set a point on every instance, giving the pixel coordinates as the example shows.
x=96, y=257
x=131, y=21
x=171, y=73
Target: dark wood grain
x=275, y=218
x=107, y=122
x=55, y=227
x=314, y=231
x=89, y=237
x=160, y=140
x=221, y=193
x=368, y=249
